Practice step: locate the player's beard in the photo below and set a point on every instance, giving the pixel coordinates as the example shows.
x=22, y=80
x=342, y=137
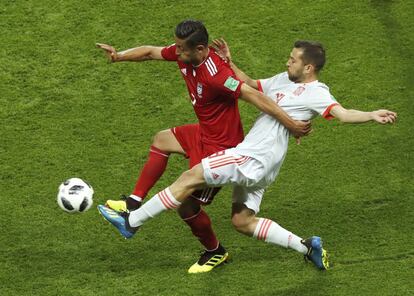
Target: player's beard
x=184, y=61
x=293, y=77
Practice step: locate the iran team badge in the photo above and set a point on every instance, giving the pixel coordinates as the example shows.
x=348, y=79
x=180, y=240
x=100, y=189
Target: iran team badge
x=199, y=89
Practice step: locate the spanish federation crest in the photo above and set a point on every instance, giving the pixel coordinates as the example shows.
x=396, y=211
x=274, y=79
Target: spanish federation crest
x=199, y=89
x=299, y=91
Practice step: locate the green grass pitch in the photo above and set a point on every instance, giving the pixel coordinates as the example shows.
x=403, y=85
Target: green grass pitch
x=65, y=112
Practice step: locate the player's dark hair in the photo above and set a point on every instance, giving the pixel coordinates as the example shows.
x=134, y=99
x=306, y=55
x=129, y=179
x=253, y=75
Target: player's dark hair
x=313, y=53
x=193, y=32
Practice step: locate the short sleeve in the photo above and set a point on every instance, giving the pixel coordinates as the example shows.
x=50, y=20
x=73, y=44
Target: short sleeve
x=264, y=85
x=322, y=102
x=168, y=53
x=227, y=83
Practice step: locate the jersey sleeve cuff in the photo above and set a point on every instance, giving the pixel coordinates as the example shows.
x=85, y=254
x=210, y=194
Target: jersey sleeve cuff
x=326, y=114
x=259, y=86
x=238, y=90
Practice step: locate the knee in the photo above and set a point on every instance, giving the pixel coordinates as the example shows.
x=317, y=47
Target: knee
x=187, y=179
x=159, y=139
x=240, y=222
x=193, y=178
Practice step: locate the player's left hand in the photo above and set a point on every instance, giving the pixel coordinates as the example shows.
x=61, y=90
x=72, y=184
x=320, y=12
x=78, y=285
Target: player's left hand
x=384, y=116
x=222, y=49
x=301, y=129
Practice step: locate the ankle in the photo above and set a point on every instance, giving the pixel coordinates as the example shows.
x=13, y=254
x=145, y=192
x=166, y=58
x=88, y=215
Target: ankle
x=132, y=203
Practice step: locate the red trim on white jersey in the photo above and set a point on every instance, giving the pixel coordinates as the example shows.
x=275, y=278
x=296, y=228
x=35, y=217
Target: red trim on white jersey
x=259, y=86
x=326, y=114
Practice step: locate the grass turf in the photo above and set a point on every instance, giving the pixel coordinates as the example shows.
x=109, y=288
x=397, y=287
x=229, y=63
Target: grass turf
x=65, y=112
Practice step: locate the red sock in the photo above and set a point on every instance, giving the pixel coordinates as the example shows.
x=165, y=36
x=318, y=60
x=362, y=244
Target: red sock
x=151, y=172
x=200, y=225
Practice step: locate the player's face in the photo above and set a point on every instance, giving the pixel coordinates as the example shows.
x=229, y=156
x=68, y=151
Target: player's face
x=184, y=53
x=295, y=65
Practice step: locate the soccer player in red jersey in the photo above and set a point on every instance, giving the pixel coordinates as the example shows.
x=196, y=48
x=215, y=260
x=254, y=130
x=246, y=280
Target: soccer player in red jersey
x=214, y=90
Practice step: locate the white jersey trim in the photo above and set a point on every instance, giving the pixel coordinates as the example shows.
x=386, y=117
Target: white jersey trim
x=211, y=67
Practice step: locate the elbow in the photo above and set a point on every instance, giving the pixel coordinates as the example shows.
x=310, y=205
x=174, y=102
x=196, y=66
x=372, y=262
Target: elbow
x=341, y=119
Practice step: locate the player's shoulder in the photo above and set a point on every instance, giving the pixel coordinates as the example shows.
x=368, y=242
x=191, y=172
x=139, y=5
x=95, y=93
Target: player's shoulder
x=320, y=87
x=278, y=79
x=215, y=65
x=317, y=90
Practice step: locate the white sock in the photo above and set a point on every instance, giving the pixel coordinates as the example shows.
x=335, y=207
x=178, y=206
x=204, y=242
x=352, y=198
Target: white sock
x=273, y=233
x=160, y=202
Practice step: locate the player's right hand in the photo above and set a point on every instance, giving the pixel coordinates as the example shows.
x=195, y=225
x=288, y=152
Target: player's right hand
x=110, y=52
x=301, y=129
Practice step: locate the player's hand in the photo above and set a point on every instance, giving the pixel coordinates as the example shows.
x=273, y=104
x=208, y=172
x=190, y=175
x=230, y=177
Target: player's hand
x=222, y=49
x=384, y=116
x=110, y=52
x=301, y=129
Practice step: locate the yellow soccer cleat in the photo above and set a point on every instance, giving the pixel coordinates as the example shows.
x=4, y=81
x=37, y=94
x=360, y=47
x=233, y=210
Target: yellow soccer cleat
x=209, y=260
x=117, y=205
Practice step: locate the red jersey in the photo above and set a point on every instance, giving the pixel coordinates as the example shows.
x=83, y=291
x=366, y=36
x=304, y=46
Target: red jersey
x=214, y=91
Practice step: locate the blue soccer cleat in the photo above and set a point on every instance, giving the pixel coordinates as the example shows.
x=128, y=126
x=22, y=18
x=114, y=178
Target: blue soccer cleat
x=119, y=220
x=316, y=253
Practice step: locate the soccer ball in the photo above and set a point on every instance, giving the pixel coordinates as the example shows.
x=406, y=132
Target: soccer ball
x=75, y=196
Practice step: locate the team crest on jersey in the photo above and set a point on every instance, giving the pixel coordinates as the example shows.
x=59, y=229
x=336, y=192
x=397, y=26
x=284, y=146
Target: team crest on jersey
x=184, y=71
x=299, y=91
x=199, y=89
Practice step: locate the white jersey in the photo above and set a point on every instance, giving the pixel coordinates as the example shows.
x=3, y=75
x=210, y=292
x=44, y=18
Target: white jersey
x=267, y=141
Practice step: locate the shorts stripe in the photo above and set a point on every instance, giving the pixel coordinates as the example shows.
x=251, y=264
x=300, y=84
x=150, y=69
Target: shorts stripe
x=238, y=161
x=228, y=158
x=223, y=158
x=206, y=194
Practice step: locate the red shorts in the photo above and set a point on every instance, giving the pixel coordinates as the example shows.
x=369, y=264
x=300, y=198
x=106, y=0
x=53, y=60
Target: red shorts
x=189, y=138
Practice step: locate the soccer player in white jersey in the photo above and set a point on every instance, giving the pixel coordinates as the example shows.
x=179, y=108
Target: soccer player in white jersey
x=254, y=164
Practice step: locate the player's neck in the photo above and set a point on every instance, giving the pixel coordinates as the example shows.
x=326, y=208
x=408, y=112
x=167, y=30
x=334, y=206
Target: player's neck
x=203, y=56
x=308, y=79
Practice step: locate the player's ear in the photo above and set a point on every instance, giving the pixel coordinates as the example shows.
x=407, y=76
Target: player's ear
x=309, y=68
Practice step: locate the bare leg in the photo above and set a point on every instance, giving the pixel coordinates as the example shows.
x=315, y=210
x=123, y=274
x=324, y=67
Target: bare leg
x=188, y=182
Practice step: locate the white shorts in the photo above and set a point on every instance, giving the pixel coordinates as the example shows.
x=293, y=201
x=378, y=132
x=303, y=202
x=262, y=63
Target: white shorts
x=245, y=173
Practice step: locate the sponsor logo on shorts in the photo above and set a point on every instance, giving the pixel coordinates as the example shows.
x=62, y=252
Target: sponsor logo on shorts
x=215, y=176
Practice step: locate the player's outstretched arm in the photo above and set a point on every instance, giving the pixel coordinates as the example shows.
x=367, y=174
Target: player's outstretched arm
x=137, y=54
x=356, y=116
x=266, y=105
x=224, y=51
